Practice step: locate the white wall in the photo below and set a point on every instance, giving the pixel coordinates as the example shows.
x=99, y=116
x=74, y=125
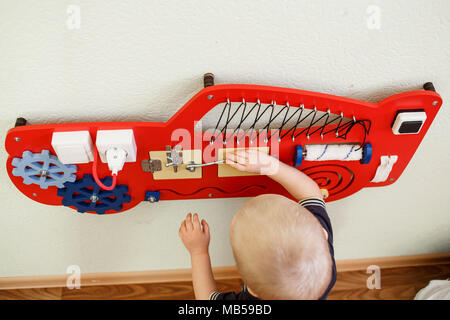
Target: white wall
x=142, y=60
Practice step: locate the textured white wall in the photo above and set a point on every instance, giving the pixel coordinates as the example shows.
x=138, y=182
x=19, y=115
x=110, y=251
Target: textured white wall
x=142, y=60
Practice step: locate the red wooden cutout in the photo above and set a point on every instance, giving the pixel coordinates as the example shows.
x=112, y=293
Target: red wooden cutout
x=340, y=178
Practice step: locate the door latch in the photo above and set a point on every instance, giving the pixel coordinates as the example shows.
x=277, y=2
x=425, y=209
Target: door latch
x=174, y=157
x=151, y=165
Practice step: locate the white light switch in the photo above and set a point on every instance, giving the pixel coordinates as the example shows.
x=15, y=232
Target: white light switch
x=73, y=147
x=408, y=122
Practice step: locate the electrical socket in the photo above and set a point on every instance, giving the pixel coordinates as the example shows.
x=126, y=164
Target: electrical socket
x=123, y=139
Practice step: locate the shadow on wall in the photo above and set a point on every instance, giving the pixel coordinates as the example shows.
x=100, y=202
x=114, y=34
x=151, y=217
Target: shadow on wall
x=174, y=95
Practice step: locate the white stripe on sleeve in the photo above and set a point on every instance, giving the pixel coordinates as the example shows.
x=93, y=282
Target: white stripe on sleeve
x=312, y=202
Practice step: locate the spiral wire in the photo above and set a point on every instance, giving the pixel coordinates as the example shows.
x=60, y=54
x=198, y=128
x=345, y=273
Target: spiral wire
x=341, y=130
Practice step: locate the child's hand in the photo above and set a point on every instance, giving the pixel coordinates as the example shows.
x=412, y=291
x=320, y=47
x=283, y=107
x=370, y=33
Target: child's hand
x=252, y=160
x=194, y=237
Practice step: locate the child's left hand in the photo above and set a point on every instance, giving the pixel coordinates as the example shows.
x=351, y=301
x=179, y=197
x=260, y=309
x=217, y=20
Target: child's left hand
x=194, y=237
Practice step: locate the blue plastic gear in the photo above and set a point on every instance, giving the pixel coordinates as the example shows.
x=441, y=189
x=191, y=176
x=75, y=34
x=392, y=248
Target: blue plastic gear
x=43, y=169
x=86, y=195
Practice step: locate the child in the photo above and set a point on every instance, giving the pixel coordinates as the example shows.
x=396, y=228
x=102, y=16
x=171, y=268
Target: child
x=283, y=249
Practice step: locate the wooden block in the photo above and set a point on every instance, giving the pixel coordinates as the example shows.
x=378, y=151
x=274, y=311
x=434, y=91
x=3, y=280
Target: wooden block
x=182, y=172
x=225, y=170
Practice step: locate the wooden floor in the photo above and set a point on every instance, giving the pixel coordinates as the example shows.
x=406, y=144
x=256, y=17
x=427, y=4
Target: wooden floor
x=396, y=283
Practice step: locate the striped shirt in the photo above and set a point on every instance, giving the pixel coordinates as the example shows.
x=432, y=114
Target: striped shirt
x=317, y=207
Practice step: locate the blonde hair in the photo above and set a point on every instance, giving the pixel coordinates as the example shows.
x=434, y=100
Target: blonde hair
x=280, y=249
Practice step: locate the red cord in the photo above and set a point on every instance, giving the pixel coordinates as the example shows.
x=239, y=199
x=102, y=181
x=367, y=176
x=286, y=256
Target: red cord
x=97, y=180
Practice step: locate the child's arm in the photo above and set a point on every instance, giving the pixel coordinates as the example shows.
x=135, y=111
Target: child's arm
x=196, y=241
x=298, y=184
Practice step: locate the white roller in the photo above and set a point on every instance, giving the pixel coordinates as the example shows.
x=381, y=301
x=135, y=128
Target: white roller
x=342, y=152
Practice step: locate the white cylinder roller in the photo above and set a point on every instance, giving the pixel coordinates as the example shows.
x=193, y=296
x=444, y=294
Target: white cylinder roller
x=342, y=152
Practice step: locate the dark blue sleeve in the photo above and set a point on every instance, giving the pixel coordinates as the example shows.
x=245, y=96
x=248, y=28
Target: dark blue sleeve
x=317, y=207
x=242, y=295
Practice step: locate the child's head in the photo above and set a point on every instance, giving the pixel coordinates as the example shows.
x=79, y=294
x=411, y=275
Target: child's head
x=280, y=249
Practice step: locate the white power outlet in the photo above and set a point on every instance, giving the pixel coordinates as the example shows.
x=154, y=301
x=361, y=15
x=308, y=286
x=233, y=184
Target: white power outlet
x=124, y=139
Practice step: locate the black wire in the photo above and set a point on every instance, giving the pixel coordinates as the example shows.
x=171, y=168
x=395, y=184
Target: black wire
x=341, y=127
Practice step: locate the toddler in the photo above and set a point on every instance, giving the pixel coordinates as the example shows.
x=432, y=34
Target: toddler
x=283, y=248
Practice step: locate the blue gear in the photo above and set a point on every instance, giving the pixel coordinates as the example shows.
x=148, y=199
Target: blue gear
x=43, y=169
x=86, y=195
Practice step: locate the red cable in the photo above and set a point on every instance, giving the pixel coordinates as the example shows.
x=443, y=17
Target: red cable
x=97, y=180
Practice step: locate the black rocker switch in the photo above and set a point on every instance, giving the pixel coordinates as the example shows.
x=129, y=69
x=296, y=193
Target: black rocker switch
x=408, y=121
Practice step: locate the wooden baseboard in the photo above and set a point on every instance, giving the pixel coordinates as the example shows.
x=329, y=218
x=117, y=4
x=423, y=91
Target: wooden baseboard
x=220, y=273
x=112, y=278
x=394, y=262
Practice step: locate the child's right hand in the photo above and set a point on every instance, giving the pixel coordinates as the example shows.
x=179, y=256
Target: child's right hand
x=252, y=160
x=195, y=235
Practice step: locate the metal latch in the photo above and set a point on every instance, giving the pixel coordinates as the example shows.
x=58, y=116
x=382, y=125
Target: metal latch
x=151, y=165
x=192, y=166
x=174, y=157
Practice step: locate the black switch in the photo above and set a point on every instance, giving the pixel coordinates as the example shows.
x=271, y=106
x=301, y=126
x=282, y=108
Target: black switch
x=410, y=127
x=408, y=121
